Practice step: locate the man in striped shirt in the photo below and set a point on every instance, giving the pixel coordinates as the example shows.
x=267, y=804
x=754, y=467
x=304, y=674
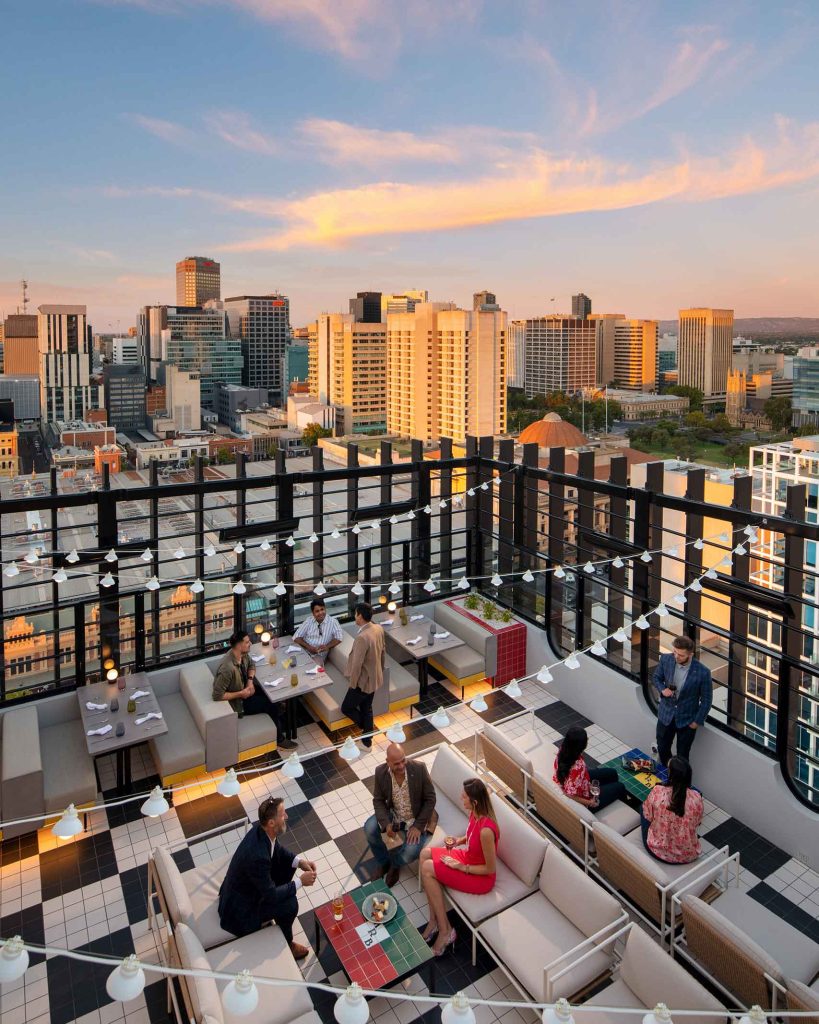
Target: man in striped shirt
x=319, y=633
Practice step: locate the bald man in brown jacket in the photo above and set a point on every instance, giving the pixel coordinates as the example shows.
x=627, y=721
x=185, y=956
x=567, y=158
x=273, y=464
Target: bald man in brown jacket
x=365, y=670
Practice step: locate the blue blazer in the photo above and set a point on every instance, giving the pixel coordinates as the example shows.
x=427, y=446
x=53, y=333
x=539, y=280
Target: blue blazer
x=253, y=876
x=693, y=703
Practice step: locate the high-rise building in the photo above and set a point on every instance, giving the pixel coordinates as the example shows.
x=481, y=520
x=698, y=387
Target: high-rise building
x=484, y=300
x=581, y=305
x=125, y=395
x=183, y=401
x=515, y=353
x=23, y=390
x=195, y=340
x=295, y=365
x=561, y=354
x=635, y=355
x=446, y=372
x=198, y=279
x=366, y=307
x=67, y=390
x=21, y=354
x=704, y=349
x=9, y=461
x=806, y=385
x=262, y=323
x=605, y=345
x=348, y=370
x=126, y=350
x=404, y=303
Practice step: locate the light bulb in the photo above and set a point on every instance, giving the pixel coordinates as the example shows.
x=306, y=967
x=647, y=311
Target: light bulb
x=32, y=557
x=429, y=586
x=265, y=545
x=572, y=662
x=463, y=583
x=153, y=583
x=241, y=997
x=618, y=562
x=292, y=767
x=479, y=703
x=319, y=589
x=645, y=557
x=209, y=551
x=127, y=981
x=642, y=622
x=458, y=1011
x=396, y=734
x=659, y=1015
x=111, y=675
x=679, y=598
x=661, y=610
x=60, y=576
x=756, y=1015
x=179, y=553
x=695, y=585
x=13, y=960
x=620, y=636
x=588, y=568
x=439, y=719
x=471, y=492
x=673, y=552
x=395, y=588
x=265, y=638
x=351, y=1006
x=598, y=649
x=513, y=689
x=239, y=549
x=375, y=525
x=72, y=556
x=442, y=504
x=280, y=589
x=496, y=581
x=156, y=804
x=107, y=580
x=428, y=509
x=313, y=538
x=393, y=520
x=559, y=572
x=749, y=531
x=484, y=486
x=528, y=576
x=239, y=588
x=560, y=1013
x=410, y=514
x=356, y=529
x=545, y=676
x=291, y=541
x=336, y=533
x=349, y=751
x=699, y=544
x=392, y=607
x=739, y=550
x=68, y=824
x=357, y=589
x=197, y=586
x=229, y=785
x=111, y=556
x=11, y=570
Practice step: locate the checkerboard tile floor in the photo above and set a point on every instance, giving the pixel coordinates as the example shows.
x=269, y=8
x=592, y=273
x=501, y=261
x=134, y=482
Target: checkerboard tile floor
x=91, y=893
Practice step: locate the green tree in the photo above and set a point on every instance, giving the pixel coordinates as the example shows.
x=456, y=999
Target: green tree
x=696, y=420
x=779, y=411
x=660, y=439
x=737, y=452
x=694, y=395
x=311, y=434
x=224, y=456
x=721, y=424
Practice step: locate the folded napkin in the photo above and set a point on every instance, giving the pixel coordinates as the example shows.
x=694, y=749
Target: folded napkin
x=140, y=693
x=441, y=636
x=417, y=640
x=388, y=622
x=293, y=649
x=274, y=682
x=314, y=671
x=416, y=618
x=95, y=707
x=258, y=658
x=151, y=714
x=103, y=729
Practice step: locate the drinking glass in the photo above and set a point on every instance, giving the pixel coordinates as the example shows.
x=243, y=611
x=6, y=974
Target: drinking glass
x=449, y=842
x=272, y=659
x=294, y=679
x=594, y=788
x=338, y=906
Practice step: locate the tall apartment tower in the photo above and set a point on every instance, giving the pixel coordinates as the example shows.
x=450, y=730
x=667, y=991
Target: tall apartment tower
x=561, y=354
x=366, y=307
x=262, y=324
x=485, y=300
x=581, y=305
x=446, y=372
x=635, y=354
x=605, y=345
x=403, y=303
x=198, y=279
x=704, y=349
x=515, y=353
x=67, y=391
x=348, y=370
x=21, y=354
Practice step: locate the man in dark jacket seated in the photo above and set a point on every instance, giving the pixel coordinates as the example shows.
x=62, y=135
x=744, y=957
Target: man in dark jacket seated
x=259, y=884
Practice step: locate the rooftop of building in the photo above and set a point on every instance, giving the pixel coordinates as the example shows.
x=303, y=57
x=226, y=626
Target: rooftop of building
x=552, y=432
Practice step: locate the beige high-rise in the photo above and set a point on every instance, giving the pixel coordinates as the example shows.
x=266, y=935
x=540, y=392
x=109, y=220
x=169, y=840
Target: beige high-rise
x=446, y=372
x=604, y=374
x=704, y=349
x=347, y=368
x=198, y=279
x=635, y=354
x=561, y=354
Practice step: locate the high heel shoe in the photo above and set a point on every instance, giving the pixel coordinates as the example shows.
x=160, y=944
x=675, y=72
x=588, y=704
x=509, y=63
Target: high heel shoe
x=449, y=943
x=429, y=939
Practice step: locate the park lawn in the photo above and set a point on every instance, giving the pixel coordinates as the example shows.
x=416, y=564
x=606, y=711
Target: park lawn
x=706, y=452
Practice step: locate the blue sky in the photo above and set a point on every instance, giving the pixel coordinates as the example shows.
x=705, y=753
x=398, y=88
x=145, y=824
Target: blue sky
x=654, y=155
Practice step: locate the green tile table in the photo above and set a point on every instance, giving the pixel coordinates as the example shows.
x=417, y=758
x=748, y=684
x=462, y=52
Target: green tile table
x=638, y=784
x=380, y=964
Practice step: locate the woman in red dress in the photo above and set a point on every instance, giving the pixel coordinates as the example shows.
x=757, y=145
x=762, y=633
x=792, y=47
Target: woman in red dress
x=469, y=870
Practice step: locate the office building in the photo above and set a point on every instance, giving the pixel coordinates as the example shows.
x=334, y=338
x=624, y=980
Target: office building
x=446, y=372
x=806, y=385
x=21, y=353
x=9, y=460
x=515, y=353
x=635, y=355
x=295, y=365
x=704, y=349
x=637, y=405
x=404, y=303
x=183, y=402
x=348, y=370
x=485, y=300
x=666, y=361
x=262, y=324
x=67, y=389
x=234, y=399
x=198, y=279
x=605, y=345
x=24, y=392
x=366, y=307
x=125, y=396
x=581, y=305
x=561, y=354
x=126, y=351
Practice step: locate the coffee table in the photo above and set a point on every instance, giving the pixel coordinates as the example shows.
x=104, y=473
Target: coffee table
x=379, y=964
x=398, y=635
x=638, y=784
x=265, y=672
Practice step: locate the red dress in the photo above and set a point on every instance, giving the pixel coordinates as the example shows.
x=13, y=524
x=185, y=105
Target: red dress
x=454, y=878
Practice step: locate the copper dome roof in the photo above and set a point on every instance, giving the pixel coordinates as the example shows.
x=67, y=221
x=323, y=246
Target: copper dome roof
x=552, y=432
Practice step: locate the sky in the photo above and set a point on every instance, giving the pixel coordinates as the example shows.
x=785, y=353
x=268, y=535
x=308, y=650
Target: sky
x=654, y=155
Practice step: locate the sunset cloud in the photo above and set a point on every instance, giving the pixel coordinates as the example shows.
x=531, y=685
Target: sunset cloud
x=168, y=131
x=237, y=129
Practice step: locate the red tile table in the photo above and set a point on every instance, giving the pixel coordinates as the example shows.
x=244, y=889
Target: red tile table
x=511, y=643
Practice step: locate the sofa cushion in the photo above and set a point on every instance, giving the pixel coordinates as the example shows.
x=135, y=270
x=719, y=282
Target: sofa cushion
x=202, y=886
x=403, y=682
x=205, y=1000
x=173, y=888
x=529, y=936
x=215, y=719
x=531, y=751
x=480, y=640
x=619, y=817
x=68, y=769
x=182, y=746
x=575, y=894
x=341, y=652
x=22, y=769
x=450, y=771
x=800, y=997
x=520, y=846
x=266, y=955
x=507, y=890
x=256, y=731
x=460, y=662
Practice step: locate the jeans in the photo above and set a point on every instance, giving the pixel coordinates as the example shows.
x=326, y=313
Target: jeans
x=398, y=857
x=665, y=737
x=611, y=788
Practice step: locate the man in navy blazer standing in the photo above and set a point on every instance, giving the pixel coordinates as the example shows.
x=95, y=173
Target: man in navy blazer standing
x=685, y=689
x=259, y=884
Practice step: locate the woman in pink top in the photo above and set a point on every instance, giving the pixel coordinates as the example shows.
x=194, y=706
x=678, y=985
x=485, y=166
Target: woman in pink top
x=671, y=815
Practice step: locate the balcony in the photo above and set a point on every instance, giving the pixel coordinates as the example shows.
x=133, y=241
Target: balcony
x=261, y=538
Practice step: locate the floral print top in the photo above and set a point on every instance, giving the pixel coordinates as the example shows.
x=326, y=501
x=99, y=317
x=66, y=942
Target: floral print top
x=577, y=781
x=670, y=837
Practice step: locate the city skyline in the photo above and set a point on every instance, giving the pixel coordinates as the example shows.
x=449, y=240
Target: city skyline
x=651, y=160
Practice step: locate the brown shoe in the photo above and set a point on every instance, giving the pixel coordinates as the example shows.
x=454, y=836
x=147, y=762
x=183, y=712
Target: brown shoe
x=392, y=876
x=299, y=952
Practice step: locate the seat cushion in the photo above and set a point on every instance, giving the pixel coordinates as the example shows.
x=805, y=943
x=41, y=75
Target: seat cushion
x=202, y=889
x=205, y=999
x=575, y=894
x=800, y=997
x=173, y=887
x=68, y=769
x=182, y=746
x=620, y=817
x=403, y=683
x=449, y=771
x=341, y=652
x=521, y=847
x=460, y=662
x=662, y=873
x=614, y=995
x=508, y=889
x=256, y=731
x=266, y=955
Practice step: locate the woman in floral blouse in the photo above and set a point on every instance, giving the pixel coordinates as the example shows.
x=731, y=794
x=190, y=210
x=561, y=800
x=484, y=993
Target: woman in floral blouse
x=670, y=816
x=574, y=777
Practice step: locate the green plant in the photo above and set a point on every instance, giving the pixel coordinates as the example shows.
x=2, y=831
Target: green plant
x=505, y=615
x=488, y=610
x=472, y=602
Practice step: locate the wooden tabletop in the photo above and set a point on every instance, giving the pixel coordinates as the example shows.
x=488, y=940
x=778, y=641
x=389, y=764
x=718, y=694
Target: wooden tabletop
x=265, y=672
x=399, y=635
x=104, y=693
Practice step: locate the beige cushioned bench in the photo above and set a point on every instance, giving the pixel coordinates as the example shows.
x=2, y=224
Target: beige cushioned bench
x=476, y=660
x=192, y=897
x=542, y=936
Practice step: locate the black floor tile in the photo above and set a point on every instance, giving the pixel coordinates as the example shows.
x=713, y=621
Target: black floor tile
x=80, y=863
x=135, y=893
x=328, y=957
x=156, y=1001
x=420, y=735
x=304, y=828
x=788, y=911
x=501, y=706
x=437, y=696
x=325, y=774
x=20, y=848
x=209, y=812
x=756, y=854
x=76, y=988
x=561, y=717
x=28, y=924
x=357, y=854
x=183, y=859
x=132, y=811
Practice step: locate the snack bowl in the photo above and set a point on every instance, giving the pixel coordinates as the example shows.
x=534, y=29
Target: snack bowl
x=379, y=907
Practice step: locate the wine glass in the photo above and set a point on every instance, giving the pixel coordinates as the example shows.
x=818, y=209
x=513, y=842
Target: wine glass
x=594, y=789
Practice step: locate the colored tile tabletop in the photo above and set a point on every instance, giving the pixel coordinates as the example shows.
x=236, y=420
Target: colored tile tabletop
x=638, y=784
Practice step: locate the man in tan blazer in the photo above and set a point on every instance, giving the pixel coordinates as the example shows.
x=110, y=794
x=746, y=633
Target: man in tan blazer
x=365, y=670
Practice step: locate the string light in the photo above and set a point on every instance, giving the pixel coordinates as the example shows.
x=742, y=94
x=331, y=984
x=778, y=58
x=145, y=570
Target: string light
x=60, y=576
x=179, y=553
x=479, y=703
x=72, y=556
x=598, y=649
x=589, y=568
x=642, y=622
x=292, y=767
x=358, y=590
x=394, y=587
x=127, y=981
x=620, y=635
x=572, y=662
x=496, y=581
x=239, y=549
x=545, y=676
x=335, y=534
x=111, y=556
x=618, y=562
x=645, y=557
x=152, y=584
x=239, y=588
x=429, y=586
x=396, y=734
x=351, y=1006
x=319, y=589
x=146, y=556
x=13, y=960
x=209, y=551
x=107, y=580
x=528, y=576
x=197, y=586
x=458, y=1011
x=229, y=785
x=349, y=750
x=463, y=583
x=313, y=538
x=439, y=719
x=68, y=824
x=156, y=804
x=265, y=545
x=11, y=570
x=241, y=996
x=280, y=589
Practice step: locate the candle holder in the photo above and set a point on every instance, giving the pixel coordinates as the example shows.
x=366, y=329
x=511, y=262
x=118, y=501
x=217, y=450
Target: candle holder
x=265, y=638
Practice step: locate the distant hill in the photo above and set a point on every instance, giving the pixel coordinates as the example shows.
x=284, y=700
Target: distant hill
x=765, y=327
